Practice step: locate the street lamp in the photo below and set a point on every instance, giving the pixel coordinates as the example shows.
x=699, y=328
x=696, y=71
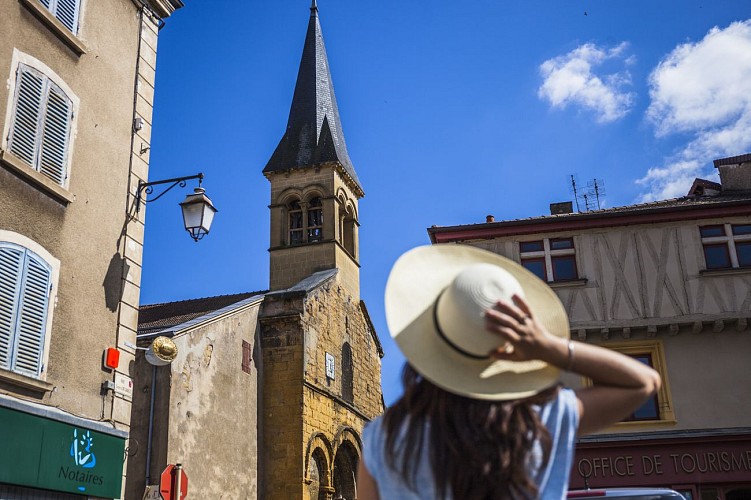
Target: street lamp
x=198, y=210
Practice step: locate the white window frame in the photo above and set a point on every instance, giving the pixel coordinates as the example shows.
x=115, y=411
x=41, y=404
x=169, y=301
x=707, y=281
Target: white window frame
x=42, y=254
x=729, y=239
x=548, y=255
x=27, y=60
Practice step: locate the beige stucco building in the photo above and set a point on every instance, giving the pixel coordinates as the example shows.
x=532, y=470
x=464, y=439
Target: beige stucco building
x=666, y=282
x=270, y=390
x=75, y=110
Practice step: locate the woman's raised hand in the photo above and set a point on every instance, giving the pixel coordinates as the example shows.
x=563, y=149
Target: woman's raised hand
x=525, y=337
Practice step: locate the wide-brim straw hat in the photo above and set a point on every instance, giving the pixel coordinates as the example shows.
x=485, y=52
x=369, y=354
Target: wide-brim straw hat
x=436, y=297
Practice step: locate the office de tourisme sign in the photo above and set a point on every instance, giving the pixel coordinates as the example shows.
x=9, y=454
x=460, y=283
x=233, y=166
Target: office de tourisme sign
x=663, y=462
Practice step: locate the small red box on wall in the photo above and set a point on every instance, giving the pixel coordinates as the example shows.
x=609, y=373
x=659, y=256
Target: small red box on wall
x=111, y=358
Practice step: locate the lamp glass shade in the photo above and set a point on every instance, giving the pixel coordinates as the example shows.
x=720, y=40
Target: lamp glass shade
x=198, y=213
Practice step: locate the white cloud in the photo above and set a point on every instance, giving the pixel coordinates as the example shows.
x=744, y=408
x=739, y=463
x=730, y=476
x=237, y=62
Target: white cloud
x=570, y=79
x=702, y=89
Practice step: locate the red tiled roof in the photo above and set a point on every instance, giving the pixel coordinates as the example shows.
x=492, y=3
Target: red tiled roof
x=663, y=210
x=154, y=317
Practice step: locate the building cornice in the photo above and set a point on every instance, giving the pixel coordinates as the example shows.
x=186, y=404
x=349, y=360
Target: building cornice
x=587, y=221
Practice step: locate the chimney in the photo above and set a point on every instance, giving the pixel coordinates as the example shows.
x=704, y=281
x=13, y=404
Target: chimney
x=735, y=172
x=562, y=207
x=489, y=218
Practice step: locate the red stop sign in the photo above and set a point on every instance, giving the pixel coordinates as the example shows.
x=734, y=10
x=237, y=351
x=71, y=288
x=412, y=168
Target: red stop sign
x=168, y=484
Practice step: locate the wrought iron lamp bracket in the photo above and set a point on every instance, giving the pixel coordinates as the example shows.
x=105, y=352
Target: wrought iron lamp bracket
x=146, y=188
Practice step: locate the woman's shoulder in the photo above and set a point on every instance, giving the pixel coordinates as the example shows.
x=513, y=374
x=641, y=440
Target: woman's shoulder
x=373, y=434
x=563, y=409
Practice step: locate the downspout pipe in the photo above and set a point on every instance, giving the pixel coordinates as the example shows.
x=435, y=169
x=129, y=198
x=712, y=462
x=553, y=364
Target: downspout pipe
x=151, y=425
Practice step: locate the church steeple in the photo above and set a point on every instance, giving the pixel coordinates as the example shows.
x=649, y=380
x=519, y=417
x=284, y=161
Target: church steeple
x=314, y=188
x=314, y=131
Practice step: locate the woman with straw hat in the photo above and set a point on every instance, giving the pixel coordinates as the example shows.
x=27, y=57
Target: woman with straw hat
x=483, y=415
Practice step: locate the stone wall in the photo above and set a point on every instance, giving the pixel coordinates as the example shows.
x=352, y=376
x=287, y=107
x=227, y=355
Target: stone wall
x=206, y=412
x=309, y=418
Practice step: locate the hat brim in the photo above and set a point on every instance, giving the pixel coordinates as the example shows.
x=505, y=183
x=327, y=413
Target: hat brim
x=416, y=280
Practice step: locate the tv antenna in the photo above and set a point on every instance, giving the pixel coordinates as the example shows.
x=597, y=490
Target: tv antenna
x=596, y=190
x=576, y=195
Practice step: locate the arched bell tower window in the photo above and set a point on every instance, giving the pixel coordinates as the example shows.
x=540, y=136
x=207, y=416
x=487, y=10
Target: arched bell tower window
x=348, y=390
x=295, y=223
x=315, y=220
x=348, y=230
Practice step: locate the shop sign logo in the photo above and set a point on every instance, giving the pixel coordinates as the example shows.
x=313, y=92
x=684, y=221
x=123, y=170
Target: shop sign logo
x=83, y=457
x=80, y=449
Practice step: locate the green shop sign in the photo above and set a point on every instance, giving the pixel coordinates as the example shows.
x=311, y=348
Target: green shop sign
x=43, y=453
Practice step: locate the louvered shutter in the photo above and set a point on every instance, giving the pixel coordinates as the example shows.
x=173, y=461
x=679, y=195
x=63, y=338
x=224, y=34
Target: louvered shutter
x=66, y=12
x=46, y=3
x=32, y=317
x=11, y=268
x=57, y=119
x=24, y=131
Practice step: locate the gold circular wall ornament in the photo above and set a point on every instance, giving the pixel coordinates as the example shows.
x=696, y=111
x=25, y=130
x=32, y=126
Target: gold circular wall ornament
x=162, y=351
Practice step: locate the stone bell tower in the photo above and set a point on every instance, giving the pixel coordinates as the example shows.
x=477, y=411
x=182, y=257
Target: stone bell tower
x=321, y=355
x=314, y=187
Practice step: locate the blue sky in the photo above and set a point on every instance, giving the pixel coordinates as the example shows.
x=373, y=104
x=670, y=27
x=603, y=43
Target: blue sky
x=451, y=111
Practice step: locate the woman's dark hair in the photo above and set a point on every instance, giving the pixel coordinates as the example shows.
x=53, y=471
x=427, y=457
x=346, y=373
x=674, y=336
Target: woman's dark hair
x=478, y=450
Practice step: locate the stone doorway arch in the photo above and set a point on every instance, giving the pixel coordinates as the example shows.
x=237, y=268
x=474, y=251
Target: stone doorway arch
x=345, y=470
x=317, y=468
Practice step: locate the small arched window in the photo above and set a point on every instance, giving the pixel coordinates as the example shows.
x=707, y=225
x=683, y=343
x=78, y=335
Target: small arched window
x=348, y=390
x=295, y=223
x=315, y=220
x=348, y=231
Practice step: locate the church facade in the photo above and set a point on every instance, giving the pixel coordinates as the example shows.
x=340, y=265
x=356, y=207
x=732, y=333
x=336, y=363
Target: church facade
x=269, y=391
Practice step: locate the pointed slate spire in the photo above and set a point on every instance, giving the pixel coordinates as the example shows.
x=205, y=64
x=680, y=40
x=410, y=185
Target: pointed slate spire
x=314, y=131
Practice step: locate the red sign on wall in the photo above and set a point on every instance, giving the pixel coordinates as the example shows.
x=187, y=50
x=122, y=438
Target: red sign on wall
x=688, y=460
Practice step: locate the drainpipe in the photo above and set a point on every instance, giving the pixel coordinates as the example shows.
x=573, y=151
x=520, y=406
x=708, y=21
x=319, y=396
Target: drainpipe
x=151, y=425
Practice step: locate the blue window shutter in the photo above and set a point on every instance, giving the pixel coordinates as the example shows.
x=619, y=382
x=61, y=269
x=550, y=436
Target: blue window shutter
x=46, y=3
x=66, y=11
x=55, y=134
x=11, y=271
x=32, y=317
x=26, y=117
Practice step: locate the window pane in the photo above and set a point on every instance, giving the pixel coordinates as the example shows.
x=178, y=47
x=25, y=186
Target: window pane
x=717, y=256
x=295, y=220
x=295, y=237
x=744, y=254
x=315, y=218
x=742, y=229
x=709, y=231
x=531, y=246
x=315, y=234
x=649, y=410
x=536, y=266
x=561, y=243
x=564, y=268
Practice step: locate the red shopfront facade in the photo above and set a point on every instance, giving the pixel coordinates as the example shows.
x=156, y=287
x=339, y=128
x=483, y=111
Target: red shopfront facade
x=713, y=466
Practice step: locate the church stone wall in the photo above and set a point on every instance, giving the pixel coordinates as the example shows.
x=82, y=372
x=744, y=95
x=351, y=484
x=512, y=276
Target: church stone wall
x=307, y=418
x=332, y=423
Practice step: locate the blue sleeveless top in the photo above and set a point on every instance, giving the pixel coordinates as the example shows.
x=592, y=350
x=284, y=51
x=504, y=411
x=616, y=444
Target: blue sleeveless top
x=560, y=416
